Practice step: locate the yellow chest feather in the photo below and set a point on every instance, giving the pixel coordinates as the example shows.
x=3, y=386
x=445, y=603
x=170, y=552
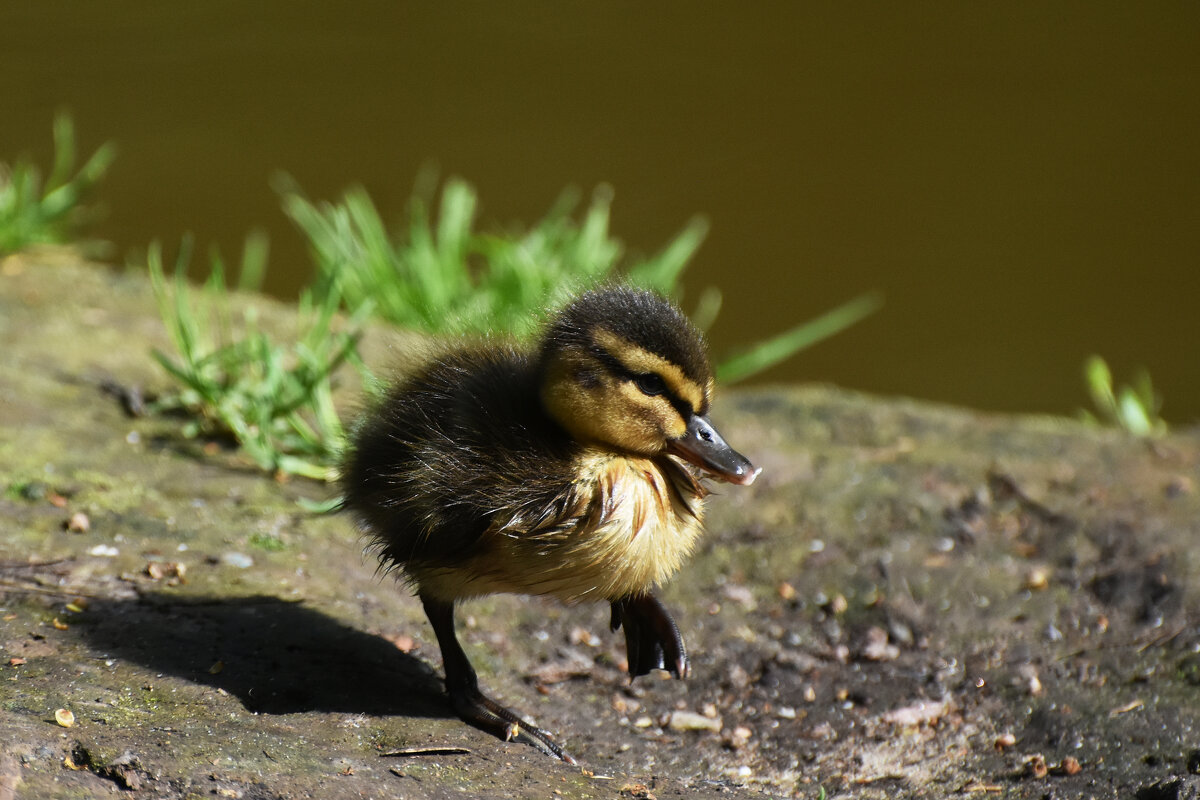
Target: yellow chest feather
x=629, y=525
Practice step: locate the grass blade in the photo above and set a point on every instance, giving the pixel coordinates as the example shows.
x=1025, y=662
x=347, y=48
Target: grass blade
x=781, y=347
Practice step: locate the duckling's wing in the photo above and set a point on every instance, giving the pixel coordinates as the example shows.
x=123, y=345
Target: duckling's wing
x=455, y=451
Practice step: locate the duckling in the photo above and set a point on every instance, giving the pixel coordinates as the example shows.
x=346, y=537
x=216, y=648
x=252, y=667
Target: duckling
x=574, y=470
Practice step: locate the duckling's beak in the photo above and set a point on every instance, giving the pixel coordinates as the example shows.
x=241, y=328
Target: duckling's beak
x=704, y=447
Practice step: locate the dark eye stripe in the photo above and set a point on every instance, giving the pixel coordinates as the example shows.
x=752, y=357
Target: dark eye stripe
x=624, y=373
x=658, y=388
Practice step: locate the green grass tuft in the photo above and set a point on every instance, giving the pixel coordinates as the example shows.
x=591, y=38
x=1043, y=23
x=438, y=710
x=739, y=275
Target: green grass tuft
x=33, y=213
x=1134, y=408
x=275, y=400
x=441, y=276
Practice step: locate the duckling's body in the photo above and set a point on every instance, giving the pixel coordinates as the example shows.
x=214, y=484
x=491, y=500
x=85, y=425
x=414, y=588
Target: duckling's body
x=554, y=473
x=464, y=519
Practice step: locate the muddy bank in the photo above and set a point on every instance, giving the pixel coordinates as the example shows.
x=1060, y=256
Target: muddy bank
x=912, y=601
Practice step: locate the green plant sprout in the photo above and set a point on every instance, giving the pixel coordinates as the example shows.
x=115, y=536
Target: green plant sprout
x=444, y=278
x=276, y=401
x=33, y=213
x=1134, y=408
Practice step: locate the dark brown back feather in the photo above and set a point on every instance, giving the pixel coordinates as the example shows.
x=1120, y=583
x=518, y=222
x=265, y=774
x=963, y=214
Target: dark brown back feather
x=447, y=449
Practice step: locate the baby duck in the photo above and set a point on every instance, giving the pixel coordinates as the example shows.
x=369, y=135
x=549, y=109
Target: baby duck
x=573, y=471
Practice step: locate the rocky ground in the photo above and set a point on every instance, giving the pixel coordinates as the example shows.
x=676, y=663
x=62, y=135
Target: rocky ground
x=912, y=601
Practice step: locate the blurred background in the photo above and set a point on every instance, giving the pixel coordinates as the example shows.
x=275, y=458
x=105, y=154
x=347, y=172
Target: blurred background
x=1020, y=180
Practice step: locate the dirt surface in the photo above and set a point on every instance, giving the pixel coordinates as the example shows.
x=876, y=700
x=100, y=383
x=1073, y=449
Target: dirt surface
x=912, y=601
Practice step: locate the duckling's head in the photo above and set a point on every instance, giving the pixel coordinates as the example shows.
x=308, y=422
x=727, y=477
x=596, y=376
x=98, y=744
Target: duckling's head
x=625, y=370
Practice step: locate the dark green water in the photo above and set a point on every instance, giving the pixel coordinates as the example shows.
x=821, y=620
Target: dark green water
x=1022, y=180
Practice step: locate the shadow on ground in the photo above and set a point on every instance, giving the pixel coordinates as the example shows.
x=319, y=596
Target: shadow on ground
x=276, y=657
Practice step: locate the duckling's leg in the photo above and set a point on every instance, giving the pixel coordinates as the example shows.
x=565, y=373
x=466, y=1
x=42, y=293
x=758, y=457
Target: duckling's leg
x=652, y=640
x=472, y=705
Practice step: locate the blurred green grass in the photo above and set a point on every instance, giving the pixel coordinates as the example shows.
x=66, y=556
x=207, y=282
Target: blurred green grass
x=35, y=212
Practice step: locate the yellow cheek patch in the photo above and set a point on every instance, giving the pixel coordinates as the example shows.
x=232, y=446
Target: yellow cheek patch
x=641, y=361
x=605, y=410
x=576, y=404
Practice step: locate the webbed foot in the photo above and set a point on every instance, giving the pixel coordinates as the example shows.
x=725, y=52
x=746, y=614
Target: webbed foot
x=652, y=640
x=483, y=712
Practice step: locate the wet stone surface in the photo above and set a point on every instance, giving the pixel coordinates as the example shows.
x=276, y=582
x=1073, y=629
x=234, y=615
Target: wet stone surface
x=912, y=601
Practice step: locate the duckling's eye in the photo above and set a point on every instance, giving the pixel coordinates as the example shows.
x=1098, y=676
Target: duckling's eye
x=650, y=384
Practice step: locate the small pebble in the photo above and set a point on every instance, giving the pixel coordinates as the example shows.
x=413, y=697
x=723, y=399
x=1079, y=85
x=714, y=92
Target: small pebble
x=1033, y=683
x=1037, y=579
x=691, y=721
x=624, y=705
x=740, y=595
x=79, y=523
x=740, y=736
x=1178, y=486
x=580, y=636
x=877, y=647
x=238, y=560
x=105, y=551
x=173, y=571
